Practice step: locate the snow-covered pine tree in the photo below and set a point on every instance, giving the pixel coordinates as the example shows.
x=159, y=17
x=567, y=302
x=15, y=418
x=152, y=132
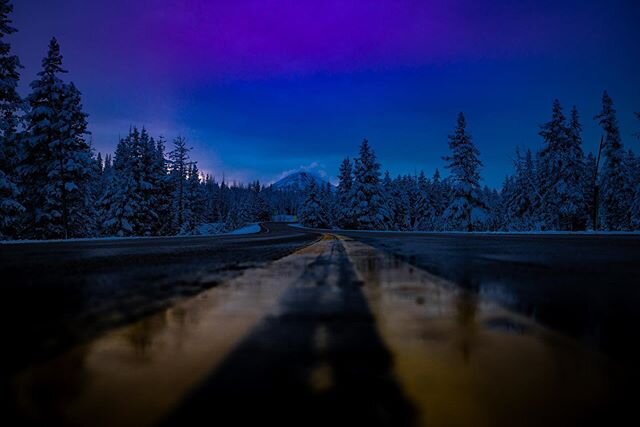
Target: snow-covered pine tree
x=211, y=195
x=193, y=204
x=369, y=210
x=635, y=209
x=520, y=196
x=346, y=206
x=577, y=214
x=635, y=206
x=439, y=196
x=394, y=202
x=327, y=199
x=560, y=172
x=615, y=191
x=120, y=202
x=424, y=210
x=58, y=164
x=179, y=168
x=312, y=213
x=491, y=220
x=589, y=184
x=239, y=209
x=162, y=191
x=465, y=165
x=11, y=209
x=146, y=178
x=261, y=209
x=413, y=194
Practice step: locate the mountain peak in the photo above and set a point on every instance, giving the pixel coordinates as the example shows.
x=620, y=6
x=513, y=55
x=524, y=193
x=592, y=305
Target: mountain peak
x=298, y=181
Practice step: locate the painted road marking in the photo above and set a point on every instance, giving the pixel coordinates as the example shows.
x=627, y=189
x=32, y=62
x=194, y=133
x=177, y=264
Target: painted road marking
x=464, y=360
x=135, y=375
x=380, y=333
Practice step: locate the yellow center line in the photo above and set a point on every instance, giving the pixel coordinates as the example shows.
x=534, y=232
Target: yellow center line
x=463, y=360
x=135, y=375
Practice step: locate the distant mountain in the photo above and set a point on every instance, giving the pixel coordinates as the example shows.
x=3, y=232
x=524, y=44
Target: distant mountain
x=298, y=181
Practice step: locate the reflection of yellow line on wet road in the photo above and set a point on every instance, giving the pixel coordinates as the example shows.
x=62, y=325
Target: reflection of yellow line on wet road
x=463, y=360
x=136, y=374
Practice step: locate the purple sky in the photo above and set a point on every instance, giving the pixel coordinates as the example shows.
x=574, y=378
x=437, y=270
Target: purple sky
x=261, y=87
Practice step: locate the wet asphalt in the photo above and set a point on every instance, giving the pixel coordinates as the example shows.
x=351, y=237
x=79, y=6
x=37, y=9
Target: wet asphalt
x=59, y=295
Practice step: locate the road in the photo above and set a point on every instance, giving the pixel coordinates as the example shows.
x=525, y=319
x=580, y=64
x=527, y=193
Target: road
x=295, y=327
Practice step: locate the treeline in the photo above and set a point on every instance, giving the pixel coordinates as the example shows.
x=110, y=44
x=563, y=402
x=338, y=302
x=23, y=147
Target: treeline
x=558, y=188
x=53, y=186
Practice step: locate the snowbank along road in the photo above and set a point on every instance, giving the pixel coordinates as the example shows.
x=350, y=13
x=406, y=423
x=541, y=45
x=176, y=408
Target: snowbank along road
x=295, y=327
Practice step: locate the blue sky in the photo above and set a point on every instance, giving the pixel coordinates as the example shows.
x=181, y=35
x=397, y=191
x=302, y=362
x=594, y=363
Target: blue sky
x=264, y=87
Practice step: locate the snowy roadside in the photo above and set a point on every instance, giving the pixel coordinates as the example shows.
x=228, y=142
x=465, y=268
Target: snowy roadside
x=247, y=229
x=480, y=233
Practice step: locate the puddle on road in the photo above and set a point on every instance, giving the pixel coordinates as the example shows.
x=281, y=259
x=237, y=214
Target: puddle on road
x=137, y=374
x=464, y=360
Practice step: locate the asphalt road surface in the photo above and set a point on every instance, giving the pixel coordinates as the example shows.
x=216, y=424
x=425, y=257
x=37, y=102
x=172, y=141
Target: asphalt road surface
x=298, y=327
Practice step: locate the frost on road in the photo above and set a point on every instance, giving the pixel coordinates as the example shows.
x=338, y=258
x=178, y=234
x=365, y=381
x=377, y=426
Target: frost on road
x=337, y=332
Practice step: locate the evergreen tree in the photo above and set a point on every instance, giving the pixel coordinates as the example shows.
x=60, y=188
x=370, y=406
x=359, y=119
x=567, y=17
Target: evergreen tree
x=346, y=206
x=560, y=172
x=439, y=199
x=192, y=215
x=179, y=161
x=615, y=191
x=58, y=164
x=465, y=165
x=312, y=213
x=239, y=213
x=395, y=201
x=424, y=210
x=327, y=200
x=520, y=196
x=259, y=203
x=369, y=209
x=162, y=191
x=120, y=201
x=11, y=210
x=635, y=207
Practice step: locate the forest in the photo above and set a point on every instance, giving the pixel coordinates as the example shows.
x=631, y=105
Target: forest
x=53, y=185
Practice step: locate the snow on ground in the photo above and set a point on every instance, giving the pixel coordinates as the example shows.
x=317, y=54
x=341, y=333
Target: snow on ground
x=212, y=229
x=536, y=233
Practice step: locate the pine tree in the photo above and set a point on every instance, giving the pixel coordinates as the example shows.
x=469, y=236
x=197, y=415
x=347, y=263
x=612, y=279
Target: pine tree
x=179, y=161
x=346, y=207
x=521, y=197
x=239, y=210
x=192, y=214
x=261, y=209
x=11, y=209
x=635, y=207
x=58, y=164
x=369, y=209
x=465, y=165
x=424, y=210
x=120, y=202
x=312, y=212
x=615, y=192
x=439, y=195
x=560, y=171
x=162, y=191
x=393, y=201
